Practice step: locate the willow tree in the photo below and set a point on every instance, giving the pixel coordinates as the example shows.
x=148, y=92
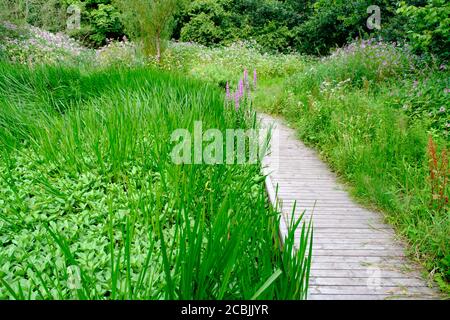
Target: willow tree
x=150, y=22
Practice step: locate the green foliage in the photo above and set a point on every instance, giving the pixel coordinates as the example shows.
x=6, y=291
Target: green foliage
x=119, y=54
x=306, y=26
x=100, y=21
x=275, y=38
x=92, y=207
x=425, y=96
x=209, y=22
x=106, y=23
x=48, y=14
x=99, y=18
x=334, y=23
x=369, y=108
x=429, y=26
x=314, y=27
x=201, y=29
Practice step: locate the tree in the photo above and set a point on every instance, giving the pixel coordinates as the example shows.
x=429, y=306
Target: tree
x=149, y=21
x=428, y=26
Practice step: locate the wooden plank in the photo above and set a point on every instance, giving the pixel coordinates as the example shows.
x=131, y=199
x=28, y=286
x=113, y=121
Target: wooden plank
x=360, y=259
x=363, y=273
x=358, y=253
x=349, y=225
x=352, y=246
x=358, y=266
x=387, y=290
x=367, y=230
x=318, y=234
x=367, y=281
x=362, y=242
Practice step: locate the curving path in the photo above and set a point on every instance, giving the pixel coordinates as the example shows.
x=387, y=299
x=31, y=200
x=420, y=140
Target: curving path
x=355, y=254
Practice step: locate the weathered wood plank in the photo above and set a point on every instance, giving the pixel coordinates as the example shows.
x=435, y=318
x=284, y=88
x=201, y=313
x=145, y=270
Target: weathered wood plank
x=358, y=253
x=367, y=281
x=387, y=290
x=363, y=273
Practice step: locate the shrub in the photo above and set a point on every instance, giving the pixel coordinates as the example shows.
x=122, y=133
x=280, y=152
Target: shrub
x=106, y=24
x=275, y=38
x=334, y=23
x=267, y=22
x=225, y=63
x=202, y=30
x=429, y=27
x=99, y=22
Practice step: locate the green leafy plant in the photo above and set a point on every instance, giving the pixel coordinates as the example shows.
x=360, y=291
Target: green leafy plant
x=92, y=206
x=429, y=26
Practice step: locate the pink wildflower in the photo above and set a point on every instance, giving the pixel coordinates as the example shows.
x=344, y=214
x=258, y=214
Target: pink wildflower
x=241, y=88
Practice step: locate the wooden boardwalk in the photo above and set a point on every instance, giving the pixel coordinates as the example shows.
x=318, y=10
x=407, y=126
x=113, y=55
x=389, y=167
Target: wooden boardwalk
x=355, y=254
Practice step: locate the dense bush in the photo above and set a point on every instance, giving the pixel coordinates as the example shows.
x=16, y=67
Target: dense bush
x=307, y=26
x=99, y=18
x=220, y=22
x=202, y=30
x=429, y=27
x=100, y=21
x=371, y=108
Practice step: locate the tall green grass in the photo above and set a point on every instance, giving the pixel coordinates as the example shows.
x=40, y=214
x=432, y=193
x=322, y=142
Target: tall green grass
x=92, y=207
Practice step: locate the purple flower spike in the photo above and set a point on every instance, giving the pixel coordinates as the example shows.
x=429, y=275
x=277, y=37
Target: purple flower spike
x=236, y=100
x=241, y=88
x=246, y=77
x=255, y=78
